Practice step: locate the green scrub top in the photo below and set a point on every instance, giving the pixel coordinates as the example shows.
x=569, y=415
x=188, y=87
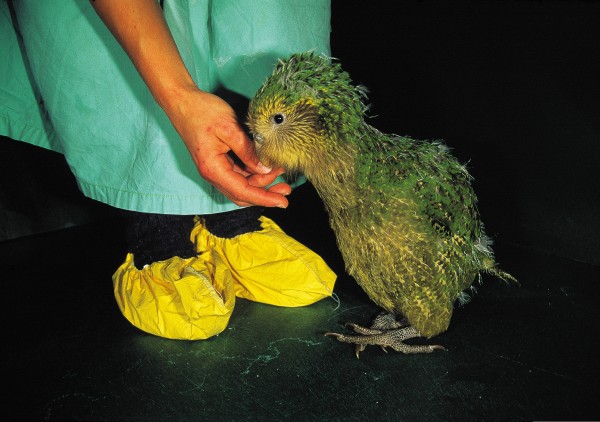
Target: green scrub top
x=67, y=85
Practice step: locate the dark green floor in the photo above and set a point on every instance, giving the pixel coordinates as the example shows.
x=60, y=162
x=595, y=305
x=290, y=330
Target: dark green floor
x=526, y=353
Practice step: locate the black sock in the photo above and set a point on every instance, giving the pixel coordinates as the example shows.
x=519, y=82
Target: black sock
x=233, y=223
x=158, y=237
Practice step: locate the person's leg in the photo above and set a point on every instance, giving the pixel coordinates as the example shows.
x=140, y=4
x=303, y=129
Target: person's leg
x=234, y=223
x=267, y=265
x=158, y=237
x=177, y=298
x=124, y=152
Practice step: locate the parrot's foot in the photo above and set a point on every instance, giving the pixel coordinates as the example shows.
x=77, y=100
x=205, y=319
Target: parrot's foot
x=385, y=332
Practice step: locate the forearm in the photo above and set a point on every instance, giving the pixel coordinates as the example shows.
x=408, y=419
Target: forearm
x=140, y=27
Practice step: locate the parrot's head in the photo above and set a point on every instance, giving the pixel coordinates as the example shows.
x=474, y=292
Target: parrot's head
x=304, y=113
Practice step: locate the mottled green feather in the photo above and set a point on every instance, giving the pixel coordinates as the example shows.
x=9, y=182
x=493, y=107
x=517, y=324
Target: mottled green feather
x=403, y=211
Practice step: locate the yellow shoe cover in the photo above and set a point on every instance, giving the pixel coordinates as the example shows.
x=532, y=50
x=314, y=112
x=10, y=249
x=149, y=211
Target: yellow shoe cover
x=178, y=298
x=268, y=266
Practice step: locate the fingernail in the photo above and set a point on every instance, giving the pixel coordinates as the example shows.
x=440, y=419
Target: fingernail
x=264, y=168
x=281, y=206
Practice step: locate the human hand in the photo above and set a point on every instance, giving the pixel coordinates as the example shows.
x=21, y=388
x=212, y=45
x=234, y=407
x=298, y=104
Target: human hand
x=210, y=130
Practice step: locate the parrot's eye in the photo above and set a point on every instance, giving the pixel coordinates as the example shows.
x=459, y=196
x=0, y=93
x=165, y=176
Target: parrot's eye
x=278, y=118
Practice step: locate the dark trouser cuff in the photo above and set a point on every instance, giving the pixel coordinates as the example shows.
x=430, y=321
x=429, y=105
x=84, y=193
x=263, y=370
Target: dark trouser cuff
x=158, y=237
x=233, y=223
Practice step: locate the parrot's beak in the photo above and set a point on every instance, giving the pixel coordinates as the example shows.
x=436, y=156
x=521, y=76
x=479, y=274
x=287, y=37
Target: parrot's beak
x=258, y=140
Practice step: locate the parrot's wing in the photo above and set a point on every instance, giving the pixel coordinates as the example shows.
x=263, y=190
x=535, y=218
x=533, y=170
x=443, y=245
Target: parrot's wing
x=424, y=173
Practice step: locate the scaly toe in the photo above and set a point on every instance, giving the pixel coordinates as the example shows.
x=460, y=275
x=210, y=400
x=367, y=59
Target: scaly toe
x=362, y=330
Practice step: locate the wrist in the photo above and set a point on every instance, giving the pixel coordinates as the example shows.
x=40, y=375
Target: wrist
x=172, y=98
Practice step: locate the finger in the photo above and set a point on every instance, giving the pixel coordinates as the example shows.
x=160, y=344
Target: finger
x=244, y=149
x=281, y=188
x=253, y=195
x=240, y=170
x=261, y=180
x=237, y=188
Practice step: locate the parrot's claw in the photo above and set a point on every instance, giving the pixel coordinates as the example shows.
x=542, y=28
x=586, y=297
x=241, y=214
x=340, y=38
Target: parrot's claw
x=336, y=335
x=359, y=348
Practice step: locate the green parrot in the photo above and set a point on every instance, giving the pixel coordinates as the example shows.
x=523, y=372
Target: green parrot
x=403, y=211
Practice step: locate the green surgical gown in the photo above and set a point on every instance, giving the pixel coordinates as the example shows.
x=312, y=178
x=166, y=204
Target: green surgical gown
x=67, y=85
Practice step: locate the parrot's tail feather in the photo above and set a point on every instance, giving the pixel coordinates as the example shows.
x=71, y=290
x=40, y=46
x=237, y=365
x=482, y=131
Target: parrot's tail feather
x=502, y=275
x=463, y=298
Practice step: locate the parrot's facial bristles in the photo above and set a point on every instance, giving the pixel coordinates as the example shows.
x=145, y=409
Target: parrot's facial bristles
x=286, y=135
